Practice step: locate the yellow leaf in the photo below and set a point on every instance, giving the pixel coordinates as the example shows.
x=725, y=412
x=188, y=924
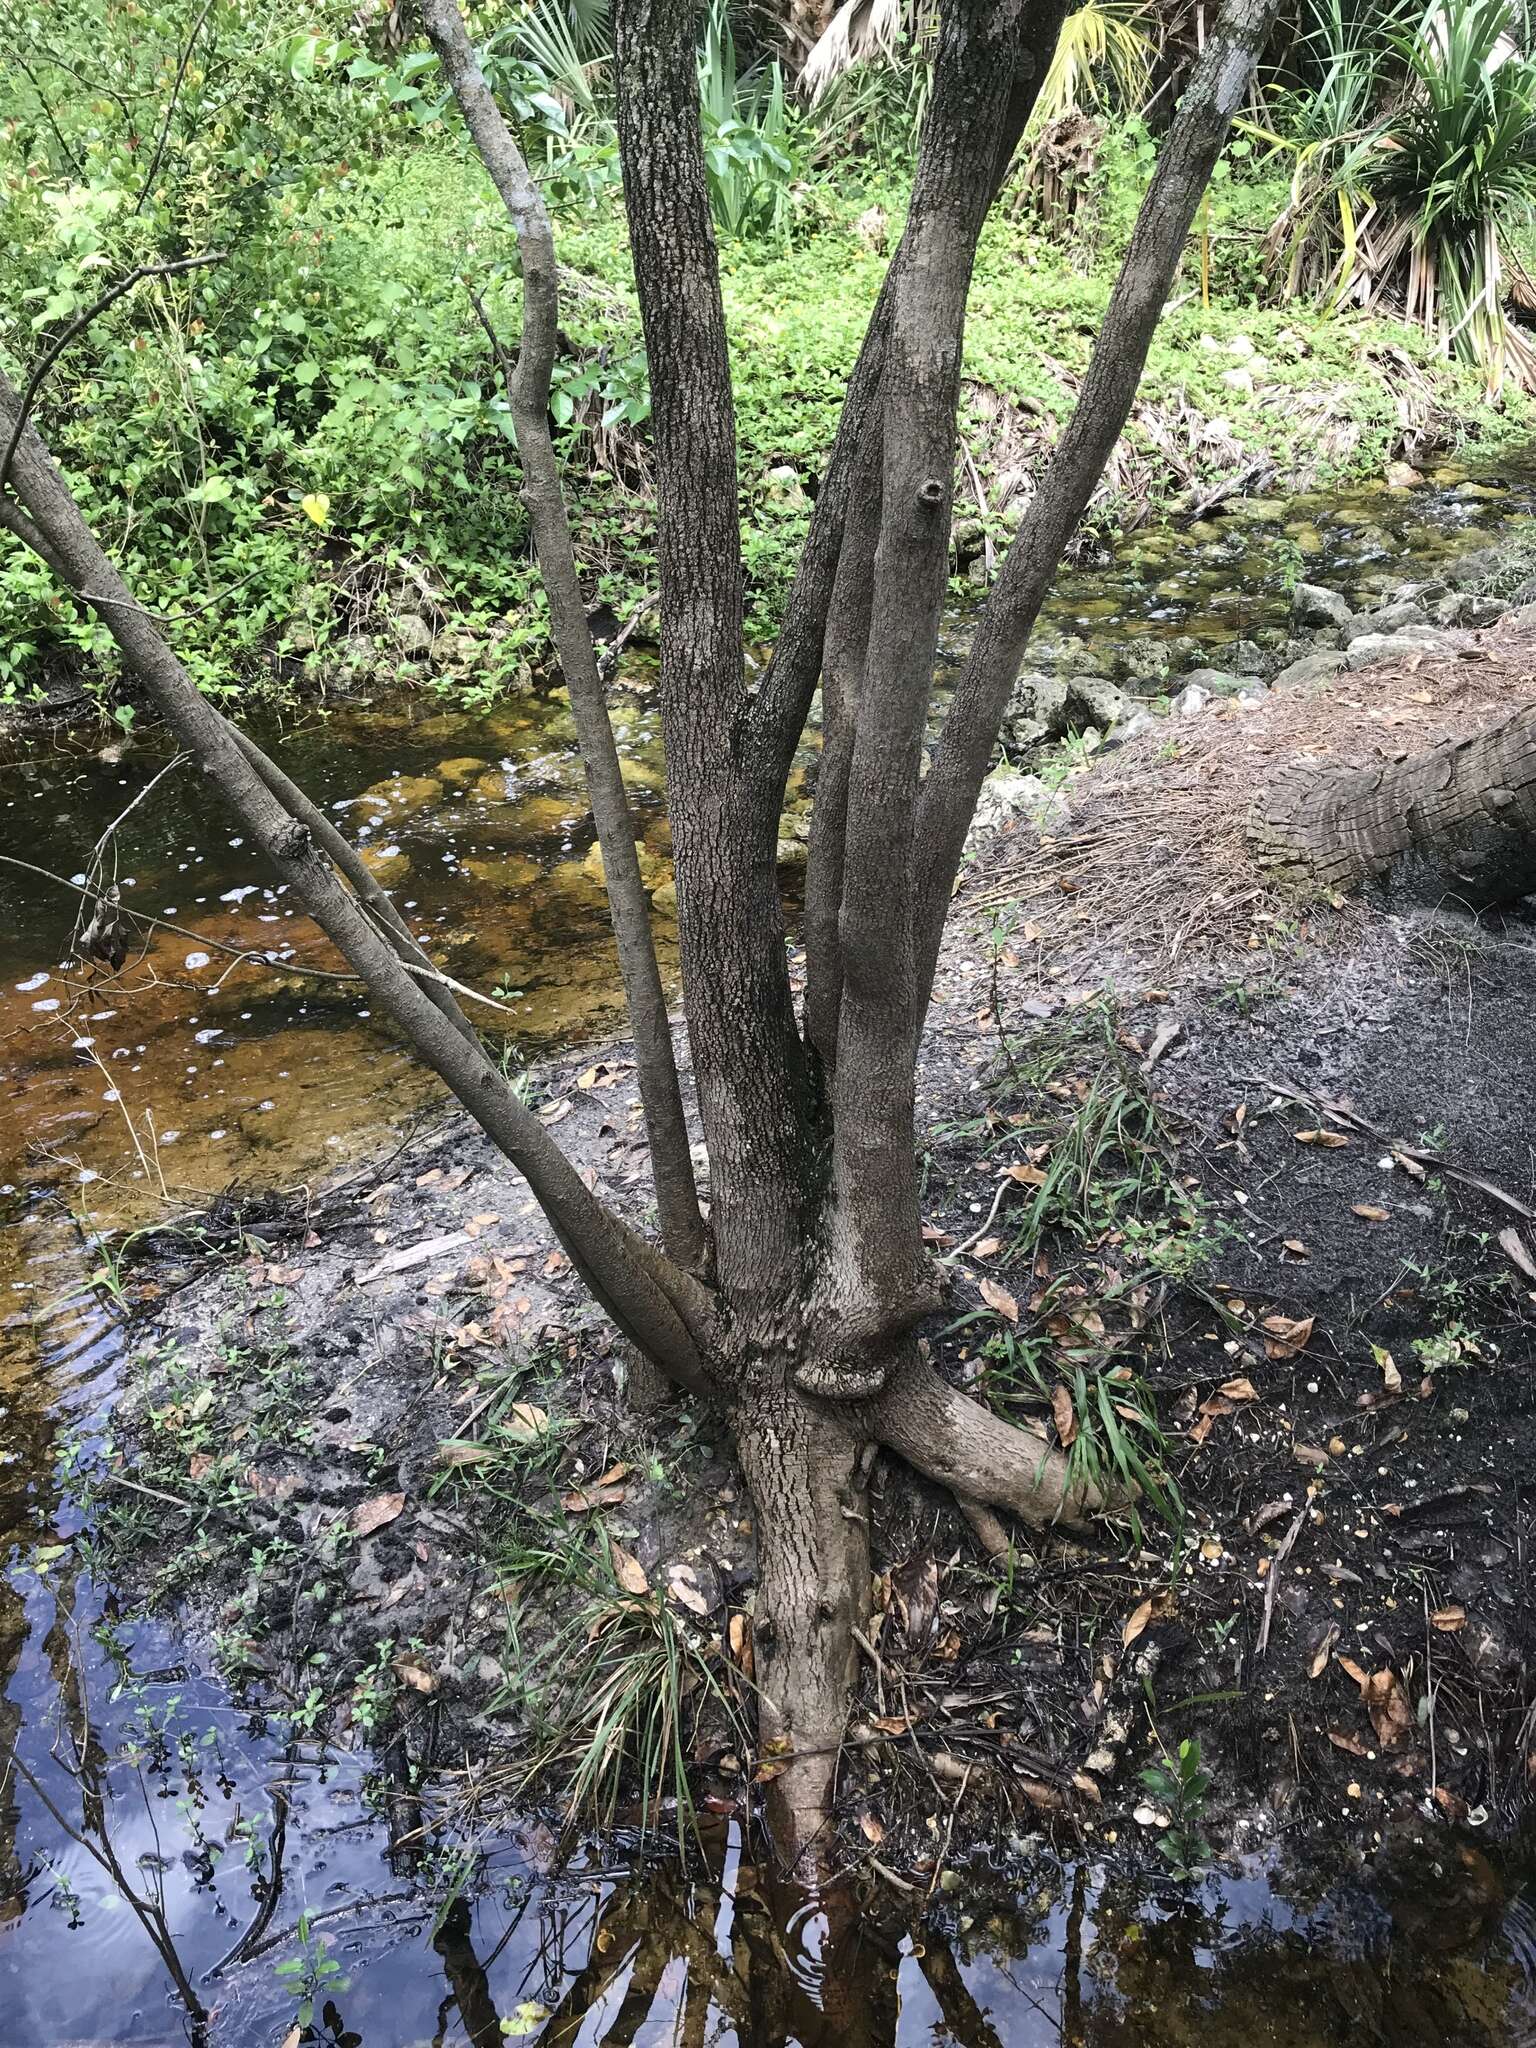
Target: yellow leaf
x=316, y=505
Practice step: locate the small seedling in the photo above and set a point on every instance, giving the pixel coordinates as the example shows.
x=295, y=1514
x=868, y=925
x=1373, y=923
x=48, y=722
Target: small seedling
x=314, y=1972
x=1181, y=1785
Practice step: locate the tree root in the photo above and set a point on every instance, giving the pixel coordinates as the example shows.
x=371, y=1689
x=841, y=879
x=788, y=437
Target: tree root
x=949, y=1438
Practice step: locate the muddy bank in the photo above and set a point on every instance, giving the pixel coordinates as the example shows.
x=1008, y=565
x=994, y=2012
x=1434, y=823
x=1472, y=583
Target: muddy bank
x=1247, y=1207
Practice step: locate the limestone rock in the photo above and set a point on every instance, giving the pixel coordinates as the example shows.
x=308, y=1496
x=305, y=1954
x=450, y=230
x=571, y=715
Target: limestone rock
x=412, y=635
x=1373, y=648
x=1314, y=605
x=1218, y=682
x=1390, y=618
x=1318, y=667
x=1008, y=793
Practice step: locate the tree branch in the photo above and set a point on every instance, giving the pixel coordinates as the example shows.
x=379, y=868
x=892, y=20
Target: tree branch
x=748, y=1060
x=677, y=1202
x=654, y=1303
x=1213, y=95
x=981, y=49
x=784, y=696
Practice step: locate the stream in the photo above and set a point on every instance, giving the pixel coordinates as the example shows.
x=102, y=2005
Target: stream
x=163, y=1848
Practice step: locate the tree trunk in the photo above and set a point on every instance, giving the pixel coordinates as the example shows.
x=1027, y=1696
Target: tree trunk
x=1459, y=819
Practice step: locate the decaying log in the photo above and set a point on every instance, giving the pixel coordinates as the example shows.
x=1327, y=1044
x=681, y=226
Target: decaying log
x=1460, y=817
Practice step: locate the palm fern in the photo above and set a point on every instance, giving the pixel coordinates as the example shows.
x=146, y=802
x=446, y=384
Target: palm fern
x=1414, y=210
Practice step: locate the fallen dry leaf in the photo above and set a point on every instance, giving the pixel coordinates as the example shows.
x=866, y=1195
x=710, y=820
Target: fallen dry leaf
x=1342, y=1739
x=1320, y=1656
x=585, y=1500
x=1370, y=1212
x=683, y=1587
x=1028, y=1176
x=1332, y=1139
x=1309, y=1454
x=739, y=1636
x=628, y=1570
x=1513, y=1245
x=1000, y=1299
x=199, y=1465
x=1386, y=1701
x=871, y=1829
x=413, y=1674
x=1240, y=1389
x=1449, y=1619
x=373, y=1514
x=1391, y=1378
x=1286, y=1335
x=1136, y=1622
x=1066, y=1420
x=1296, y=1248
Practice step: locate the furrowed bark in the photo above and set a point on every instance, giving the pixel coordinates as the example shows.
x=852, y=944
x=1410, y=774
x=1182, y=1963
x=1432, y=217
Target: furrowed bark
x=677, y=1203
x=748, y=1061
x=875, y=1214
x=803, y=1466
x=653, y=1302
x=1213, y=95
x=1464, y=812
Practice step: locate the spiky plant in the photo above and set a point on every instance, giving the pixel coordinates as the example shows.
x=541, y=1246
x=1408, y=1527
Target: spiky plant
x=1415, y=212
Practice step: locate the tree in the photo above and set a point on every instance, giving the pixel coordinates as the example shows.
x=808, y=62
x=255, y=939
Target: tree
x=796, y=1309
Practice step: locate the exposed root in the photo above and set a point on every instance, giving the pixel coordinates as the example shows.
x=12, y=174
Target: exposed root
x=949, y=1438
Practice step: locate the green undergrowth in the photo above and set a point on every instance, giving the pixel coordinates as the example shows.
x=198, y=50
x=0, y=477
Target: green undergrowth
x=302, y=454
x=1099, y=1236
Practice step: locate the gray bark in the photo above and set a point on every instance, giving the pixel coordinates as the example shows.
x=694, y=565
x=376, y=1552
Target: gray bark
x=677, y=1203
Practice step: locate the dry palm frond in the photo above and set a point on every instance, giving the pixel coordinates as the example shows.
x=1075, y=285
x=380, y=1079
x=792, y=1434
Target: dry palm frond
x=859, y=31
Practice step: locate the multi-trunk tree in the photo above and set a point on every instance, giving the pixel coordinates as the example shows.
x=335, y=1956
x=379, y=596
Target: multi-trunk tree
x=796, y=1304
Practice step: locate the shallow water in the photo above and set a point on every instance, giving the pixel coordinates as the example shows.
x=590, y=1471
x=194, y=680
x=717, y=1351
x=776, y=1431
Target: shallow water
x=193, y=1072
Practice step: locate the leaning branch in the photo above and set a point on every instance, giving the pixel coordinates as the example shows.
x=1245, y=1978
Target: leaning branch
x=1212, y=97
x=656, y=1304
x=528, y=382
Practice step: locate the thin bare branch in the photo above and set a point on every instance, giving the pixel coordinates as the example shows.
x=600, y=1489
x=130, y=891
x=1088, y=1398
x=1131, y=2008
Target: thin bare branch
x=170, y=108
x=528, y=382
x=77, y=326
